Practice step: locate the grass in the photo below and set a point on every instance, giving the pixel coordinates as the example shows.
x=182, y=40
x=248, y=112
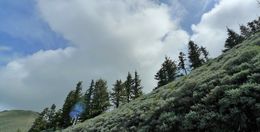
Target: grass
x=14, y=120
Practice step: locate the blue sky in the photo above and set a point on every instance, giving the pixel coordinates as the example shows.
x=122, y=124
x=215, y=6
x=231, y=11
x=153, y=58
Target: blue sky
x=23, y=30
x=194, y=13
x=190, y=11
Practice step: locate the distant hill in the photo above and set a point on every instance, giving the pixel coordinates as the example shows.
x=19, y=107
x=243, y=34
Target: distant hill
x=11, y=121
x=223, y=95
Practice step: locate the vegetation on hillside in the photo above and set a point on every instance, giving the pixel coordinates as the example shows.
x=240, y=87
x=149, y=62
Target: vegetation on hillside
x=94, y=102
x=221, y=95
x=16, y=120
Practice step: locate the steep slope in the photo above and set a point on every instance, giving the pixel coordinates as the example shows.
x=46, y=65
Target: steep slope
x=222, y=95
x=14, y=120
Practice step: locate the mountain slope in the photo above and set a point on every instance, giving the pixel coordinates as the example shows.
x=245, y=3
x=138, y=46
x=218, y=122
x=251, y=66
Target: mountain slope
x=11, y=121
x=222, y=95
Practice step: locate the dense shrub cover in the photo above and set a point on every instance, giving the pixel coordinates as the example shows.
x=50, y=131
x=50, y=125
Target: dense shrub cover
x=222, y=95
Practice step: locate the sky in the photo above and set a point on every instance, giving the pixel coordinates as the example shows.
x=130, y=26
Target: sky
x=47, y=46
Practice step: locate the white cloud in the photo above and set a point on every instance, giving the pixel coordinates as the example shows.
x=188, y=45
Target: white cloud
x=31, y=82
x=211, y=31
x=110, y=38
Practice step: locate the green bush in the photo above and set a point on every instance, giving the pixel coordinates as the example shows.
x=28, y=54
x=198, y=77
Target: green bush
x=241, y=77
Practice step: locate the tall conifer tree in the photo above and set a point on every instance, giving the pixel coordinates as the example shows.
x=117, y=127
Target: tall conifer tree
x=117, y=95
x=51, y=117
x=252, y=26
x=40, y=122
x=137, y=88
x=194, y=55
x=88, y=99
x=205, y=53
x=182, y=60
x=245, y=31
x=100, y=97
x=167, y=73
x=232, y=40
x=72, y=98
x=77, y=95
x=128, y=87
x=67, y=106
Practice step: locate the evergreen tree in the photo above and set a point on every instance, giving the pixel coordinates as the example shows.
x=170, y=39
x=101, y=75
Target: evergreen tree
x=245, y=31
x=181, y=64
x=40, y=122
x=232, y=40
x=66, y=121
x=117, y=96
x=167, y=73
x=72, y=98
x=88, y=98
x=137, y=88
x=48, y=120
x=161, y=76
x=51, y=124
x=257, y=23
x=57, y=119
x=252, y=26
x=100, y=97
x=128, y=87
x=77, y=95
x=205, y=53
x=194, y=55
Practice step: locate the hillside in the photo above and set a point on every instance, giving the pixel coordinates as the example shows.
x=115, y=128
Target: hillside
x=11, y=121
x=222, y=95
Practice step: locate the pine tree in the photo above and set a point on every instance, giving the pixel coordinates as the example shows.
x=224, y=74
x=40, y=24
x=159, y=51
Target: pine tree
x=117, y=95
x=40, y=122
x=77, y=95
x=66, y=109
x=232, y=40
x=167, y=73
x=72, y=98
x=137, y=88
x=88, y=98
x=57, y=119
x=252, y=27
x=100, y=97
x=181, y=64
x=171, y=69
x=47, y=120
x=128, y=87
x=245, y=31
x=205, y=53
x=161, y=76
x=194, y=55
x=257, y=23
x=51, y=118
